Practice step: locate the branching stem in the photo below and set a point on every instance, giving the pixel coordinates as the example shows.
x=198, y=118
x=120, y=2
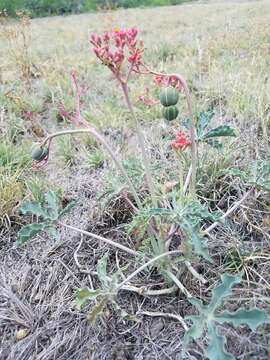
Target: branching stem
x=103, y=239
x=128, y=250
x=230, y=210
x=90, y=129
x=166, y=315
x=144, y=266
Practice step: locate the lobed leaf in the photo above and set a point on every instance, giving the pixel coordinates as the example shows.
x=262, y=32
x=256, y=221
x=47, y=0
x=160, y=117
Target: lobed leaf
x=203, y=121
x=197, y=242
x=263, y=181
x=216, y=347
x=198, y=304
x=29, y=231
x=34, y=208
x=214, y=143
x=186, y=123
x=207, y=318
x=239, y=173
x=195, y=331
x=51, y=200
x=68, y=208
x=97, y=310
x=256, y=174
x=223, y=290
x=83, y=295
x=195, y=212
x=52, y=231
x=253, y=317
x=222, y=130
x=265, y=169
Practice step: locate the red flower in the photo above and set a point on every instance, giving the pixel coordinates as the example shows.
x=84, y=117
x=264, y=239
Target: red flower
x=159, y=80
x=106, y=37
x=112, y=49
x=165, y=80
x=181, y=141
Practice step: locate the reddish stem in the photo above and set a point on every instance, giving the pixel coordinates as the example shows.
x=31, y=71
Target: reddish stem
x=141, y=142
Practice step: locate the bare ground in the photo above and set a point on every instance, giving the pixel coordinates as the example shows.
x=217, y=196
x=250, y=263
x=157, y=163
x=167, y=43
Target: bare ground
x=38, y=285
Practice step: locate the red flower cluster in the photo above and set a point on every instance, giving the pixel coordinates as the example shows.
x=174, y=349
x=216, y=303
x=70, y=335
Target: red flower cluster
x=181, y=141
x=165, y=80
x=112, y=48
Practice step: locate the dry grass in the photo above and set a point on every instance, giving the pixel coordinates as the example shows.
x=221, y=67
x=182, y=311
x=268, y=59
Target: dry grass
x=11, y=195
x=223, y=49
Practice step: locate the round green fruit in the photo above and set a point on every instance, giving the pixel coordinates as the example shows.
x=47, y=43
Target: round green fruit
x=169, y=96
x=39, y=152
x=170, y=113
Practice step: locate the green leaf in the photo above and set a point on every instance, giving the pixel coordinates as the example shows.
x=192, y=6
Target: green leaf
x=200, y=248
x=114, y=280
x=263, y=180
x=198, y=304
x=102, y=271
x=239, y=173
x=195, y=212
x=223, y=290
x=203, y=121
x=97, y=310
x=84, y=294
x=254, y=170
x=222, y=130
x=154, y=245
x=256, y=174
x=252, y=317
x=29, y=231
x=34, y=208
x=207, y=318
x=214, y=143
x=197, y=241
x=186, y=123
x=52, y=231
x=51, y=200
x=216, y=347
x=68, y=208
x=265, y=169
x=195, y=331
x=263, y=185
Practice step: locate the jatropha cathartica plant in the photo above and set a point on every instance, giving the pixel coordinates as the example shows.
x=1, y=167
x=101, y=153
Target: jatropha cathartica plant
x=181, y=214
x=122, y=53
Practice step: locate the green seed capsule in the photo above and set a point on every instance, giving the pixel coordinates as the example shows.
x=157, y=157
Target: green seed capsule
x=38, y=152
x=170, y=112
x=169, y=96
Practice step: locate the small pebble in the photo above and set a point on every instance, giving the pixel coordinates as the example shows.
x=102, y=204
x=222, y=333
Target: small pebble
x=21, y=334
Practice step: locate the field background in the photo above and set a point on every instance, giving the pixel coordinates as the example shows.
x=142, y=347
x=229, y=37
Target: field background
x=223, y=50
x=60, y=7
